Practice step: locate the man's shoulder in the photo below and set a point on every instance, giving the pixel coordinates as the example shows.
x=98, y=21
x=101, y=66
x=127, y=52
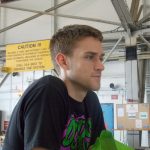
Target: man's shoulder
x=49, y=83
x=92, y=97
x=49, y=80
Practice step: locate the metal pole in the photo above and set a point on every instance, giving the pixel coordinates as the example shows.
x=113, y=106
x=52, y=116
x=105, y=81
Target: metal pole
x=55, y=16
x=91, y=19
x=112, y=49
x=147, y=43
x=63, y=15
x=6, y=76
x=35, y=16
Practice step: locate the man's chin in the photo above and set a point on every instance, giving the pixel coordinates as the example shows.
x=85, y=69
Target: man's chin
x=96, y=88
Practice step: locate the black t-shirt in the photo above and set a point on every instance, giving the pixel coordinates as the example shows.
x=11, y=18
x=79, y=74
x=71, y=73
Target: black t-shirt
x=46, y=116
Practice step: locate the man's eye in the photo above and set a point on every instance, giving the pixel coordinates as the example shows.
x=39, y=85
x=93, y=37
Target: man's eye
x=90, y=57
x=101, y=58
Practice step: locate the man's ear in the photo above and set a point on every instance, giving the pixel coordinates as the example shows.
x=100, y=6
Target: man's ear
x=62, y=61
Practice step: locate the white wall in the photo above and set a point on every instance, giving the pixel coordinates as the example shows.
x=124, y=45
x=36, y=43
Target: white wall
x=12, y=89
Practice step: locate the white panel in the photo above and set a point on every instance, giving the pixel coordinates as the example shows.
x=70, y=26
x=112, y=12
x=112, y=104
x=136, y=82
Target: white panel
x=114, y=68
x=37, y=29
x=114, y=72
x=132, y=86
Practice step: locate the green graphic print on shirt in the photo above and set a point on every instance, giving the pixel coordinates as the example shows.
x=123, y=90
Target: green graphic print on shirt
x=77, y=134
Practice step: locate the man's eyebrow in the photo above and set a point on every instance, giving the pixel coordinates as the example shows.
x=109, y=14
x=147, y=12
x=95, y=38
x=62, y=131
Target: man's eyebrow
x=93, y=53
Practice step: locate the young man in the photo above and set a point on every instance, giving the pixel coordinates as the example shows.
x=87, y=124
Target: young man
x=62, y=113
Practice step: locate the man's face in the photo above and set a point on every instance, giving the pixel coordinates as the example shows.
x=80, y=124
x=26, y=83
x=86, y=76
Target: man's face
x=85, y=64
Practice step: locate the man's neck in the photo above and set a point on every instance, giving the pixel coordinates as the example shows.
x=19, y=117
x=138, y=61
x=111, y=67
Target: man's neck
x=75, y=91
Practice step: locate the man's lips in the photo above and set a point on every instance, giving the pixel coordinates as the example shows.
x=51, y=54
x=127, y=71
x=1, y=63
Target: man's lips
x=96, y=76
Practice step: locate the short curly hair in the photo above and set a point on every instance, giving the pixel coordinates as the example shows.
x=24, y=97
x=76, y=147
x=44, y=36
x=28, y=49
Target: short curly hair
x=65, y=39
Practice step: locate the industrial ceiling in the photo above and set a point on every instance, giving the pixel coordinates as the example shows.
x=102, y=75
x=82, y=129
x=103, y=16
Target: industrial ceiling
x=123, y=22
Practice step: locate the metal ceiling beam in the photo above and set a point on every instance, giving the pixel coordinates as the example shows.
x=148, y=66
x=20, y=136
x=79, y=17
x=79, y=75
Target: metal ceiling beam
x=116, y=57
x=147, y=43
x=142, y=31
x=35, y=16
x=112, y=50
x=124, y=14
x=144, y=19
x=63, y=15
x=132, y=7
x=116, y=35
x=6, y=1
x=139, y=13
x=135, y=7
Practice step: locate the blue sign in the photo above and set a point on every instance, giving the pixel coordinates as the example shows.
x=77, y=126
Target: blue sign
x=108, y=113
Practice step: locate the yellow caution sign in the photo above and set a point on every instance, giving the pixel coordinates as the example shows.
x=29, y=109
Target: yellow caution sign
x=29, y=56
x=5, y=69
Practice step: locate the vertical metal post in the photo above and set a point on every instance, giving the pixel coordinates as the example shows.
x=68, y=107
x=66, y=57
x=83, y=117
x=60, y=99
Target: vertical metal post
x=55, y=16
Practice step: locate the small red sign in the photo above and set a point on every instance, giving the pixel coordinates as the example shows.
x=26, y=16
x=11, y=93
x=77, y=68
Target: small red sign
x=114, y=97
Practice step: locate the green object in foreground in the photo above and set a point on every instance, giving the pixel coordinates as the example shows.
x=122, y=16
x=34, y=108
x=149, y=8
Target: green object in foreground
x=107, y=142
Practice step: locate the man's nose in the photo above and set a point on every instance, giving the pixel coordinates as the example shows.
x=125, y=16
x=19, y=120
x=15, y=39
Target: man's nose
x=99, y=65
